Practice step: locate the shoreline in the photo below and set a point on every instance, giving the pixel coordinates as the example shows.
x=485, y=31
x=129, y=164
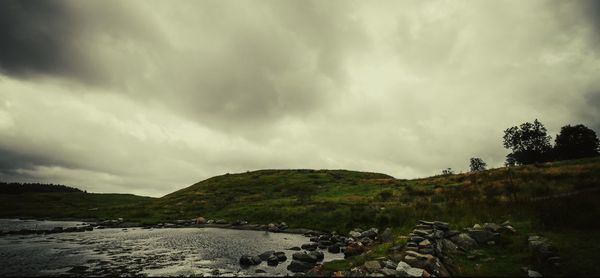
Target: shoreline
x=95, y=224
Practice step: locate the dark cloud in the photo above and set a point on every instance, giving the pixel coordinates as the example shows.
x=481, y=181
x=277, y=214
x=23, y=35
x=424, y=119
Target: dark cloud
x=37, y=38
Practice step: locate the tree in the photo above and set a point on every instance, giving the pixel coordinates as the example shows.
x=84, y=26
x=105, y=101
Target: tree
x=447, y=172
x=477, y=164
x=529, y=143
x=575, y=142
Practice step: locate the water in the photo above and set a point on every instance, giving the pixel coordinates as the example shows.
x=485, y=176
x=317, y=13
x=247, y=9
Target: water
x=144, y=252
x=18, y=224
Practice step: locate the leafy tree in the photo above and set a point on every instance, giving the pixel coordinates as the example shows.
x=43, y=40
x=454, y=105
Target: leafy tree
x=477, y=164
x=529, y=143
x=575, y=142
x=447, y=172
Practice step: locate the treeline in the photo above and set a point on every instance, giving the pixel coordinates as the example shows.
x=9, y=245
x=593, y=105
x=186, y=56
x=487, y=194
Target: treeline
x=530, y=143
x=16, y=188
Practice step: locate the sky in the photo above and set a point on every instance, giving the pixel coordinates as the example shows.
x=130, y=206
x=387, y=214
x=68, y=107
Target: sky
x=148, y=97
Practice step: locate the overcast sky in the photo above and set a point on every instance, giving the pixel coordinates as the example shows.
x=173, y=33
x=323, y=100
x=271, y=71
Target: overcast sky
x=148, y=97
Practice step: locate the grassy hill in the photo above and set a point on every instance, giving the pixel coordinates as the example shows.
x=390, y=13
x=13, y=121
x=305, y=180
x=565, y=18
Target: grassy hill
x=341, y=200
x=558, y=200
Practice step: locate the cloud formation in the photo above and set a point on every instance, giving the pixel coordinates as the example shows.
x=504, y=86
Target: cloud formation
x=147, y=98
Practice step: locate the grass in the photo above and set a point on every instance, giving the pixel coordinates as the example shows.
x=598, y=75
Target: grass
x=340, y=200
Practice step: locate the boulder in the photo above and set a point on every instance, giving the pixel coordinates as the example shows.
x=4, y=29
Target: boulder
x=372, y=266
x=366, y=241
x=386, y=235
x=370, y=233
x=272, y=260
x=441, y=225
x=482, y=236
x=464, y=241
x=266, y=255
x=334, y=249
x=221, y=221
x=389, y=272
x=210, y=221
x=389, y=264
x=405, y=270
x=492, y=227
x=299, y=266
x=305, y=257
x=310, y=246
x=272, y=228
x=280, y=256
x=449, y=247
x=249, y=260
x=325, y=243
x=318, y=254
x=353, y=249
x=295, y=248
x=425, y=243
x=533, y=273
x=354, y=234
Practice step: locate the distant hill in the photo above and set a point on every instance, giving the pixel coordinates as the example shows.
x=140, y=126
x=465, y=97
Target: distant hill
x=16, y=188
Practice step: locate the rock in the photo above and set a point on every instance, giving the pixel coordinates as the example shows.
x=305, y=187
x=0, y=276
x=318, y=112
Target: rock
x=318, y=254
x=272, y=228
x=405, y=270
x=266, y=255
x=451, y=233
x=424, y=222
x=249, y=260
x=476, y=226
x=389, y=264
x=389, y=272
x=441, y=225
x=422, y=232
x=372, y=266
x=509, y=228
x=221, y=221
x=272, y=260
x=492, y=227
x=506, y=223
x=366, y=241
x=260, y=271
x=386, y=235
x=310, y=246
x=482, y=236
x=533, y=273
x=353, y=249
x=426, y=251
x=370, y=233
x=354, y=234
x=449, y=247
x=280, y=256
x=464, y=241
x=325, y=243
x=425, y=243
x=295, y=248
x=334, y=249
x=314, y=239
x=210, y=221
x=299, y=266
x=416, y=239
x=305, y=257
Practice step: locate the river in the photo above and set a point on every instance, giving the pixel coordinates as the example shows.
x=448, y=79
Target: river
x=141, y=252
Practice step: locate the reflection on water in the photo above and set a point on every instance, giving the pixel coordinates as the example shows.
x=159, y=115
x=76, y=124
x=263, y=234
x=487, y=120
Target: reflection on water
x=151, y=252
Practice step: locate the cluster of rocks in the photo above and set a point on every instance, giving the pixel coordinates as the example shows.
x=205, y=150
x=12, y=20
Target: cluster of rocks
x=305, y=261
x=49, y=231
x=544, y=253
x=271, y=257
x=274, y=228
